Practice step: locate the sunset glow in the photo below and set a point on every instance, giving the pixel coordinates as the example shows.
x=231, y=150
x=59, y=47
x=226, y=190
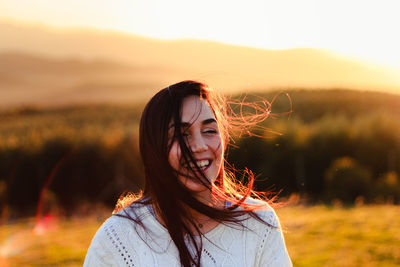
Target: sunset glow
x=361, y=29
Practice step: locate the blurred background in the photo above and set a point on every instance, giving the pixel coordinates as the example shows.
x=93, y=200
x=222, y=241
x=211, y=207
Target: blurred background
x=75, y=76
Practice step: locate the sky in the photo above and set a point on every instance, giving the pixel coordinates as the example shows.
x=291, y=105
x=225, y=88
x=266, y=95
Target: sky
x=366, y=29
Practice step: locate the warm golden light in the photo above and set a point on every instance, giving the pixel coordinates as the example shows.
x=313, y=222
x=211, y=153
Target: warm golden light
x=364, y=29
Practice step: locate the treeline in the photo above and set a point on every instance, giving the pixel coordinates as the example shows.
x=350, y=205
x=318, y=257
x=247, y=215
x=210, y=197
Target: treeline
x=333, y=145
x=331, y=158
x=67, y=158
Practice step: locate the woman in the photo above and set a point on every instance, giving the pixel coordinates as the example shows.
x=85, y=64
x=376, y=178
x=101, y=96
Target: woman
x=191, y=213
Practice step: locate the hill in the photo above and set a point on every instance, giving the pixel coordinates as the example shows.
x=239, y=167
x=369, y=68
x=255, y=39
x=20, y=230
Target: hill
x=150, y=64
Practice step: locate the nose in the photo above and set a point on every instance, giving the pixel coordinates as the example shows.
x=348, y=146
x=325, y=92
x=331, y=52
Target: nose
x=198, y=144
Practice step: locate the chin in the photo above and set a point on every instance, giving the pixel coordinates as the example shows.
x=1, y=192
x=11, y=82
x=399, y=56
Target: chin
x=193, y=185
x=211, y=172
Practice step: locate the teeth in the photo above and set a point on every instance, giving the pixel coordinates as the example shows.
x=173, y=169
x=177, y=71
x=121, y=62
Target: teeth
x=201, y=163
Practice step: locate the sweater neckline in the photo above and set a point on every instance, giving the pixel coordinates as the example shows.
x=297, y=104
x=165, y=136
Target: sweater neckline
x=155, y=222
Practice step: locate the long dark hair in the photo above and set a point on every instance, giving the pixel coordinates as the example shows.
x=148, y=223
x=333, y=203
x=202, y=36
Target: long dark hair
x=170, y=199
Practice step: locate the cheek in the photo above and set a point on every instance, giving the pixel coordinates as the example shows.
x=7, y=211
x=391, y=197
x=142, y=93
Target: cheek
x=174, y=156
x=219, y=144
x=218, y=148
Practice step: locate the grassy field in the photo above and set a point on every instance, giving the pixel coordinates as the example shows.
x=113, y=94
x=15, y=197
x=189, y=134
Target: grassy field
x=315, y=236
x=323, y=236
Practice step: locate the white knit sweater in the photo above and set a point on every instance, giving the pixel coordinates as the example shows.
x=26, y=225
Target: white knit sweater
x=122, y=242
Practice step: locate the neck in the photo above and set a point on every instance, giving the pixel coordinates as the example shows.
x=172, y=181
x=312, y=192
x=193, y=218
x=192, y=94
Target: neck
x=203, y=222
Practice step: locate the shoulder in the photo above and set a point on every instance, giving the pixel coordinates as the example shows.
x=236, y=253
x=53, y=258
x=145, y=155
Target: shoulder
x=271, y=248
x=109, y=245
x=264, y=211
x=263, y=234
x=124, y=219
x=102, y=251
x=110, y=231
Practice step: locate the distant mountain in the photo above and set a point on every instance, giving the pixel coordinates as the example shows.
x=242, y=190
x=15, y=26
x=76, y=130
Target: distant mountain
x=62, y=65
x=31, y=79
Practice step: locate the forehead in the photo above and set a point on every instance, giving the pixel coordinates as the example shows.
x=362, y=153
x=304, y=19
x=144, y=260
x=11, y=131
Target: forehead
x=194, y=108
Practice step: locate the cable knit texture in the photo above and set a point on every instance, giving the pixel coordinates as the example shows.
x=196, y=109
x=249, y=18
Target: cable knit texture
x=122, y=242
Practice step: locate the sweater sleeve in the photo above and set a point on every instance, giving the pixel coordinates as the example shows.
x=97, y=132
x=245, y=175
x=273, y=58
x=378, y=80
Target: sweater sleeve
x=272, y=249
x=99, y=254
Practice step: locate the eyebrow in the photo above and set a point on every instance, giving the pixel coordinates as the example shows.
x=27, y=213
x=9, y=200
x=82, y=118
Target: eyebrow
x=205, y=122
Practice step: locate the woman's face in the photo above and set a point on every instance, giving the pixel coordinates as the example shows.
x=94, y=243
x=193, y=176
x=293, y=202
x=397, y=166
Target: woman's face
x=201, y=132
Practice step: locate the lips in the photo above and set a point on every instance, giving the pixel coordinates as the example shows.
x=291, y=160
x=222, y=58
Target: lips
x=202, y=164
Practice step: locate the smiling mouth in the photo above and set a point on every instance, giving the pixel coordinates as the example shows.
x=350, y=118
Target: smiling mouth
x=202, y=164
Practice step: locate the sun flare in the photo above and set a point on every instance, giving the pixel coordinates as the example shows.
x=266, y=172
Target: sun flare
x=363, y=29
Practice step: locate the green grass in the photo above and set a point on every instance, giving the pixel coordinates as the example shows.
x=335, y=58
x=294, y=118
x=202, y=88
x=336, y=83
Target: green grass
x=324, y=236
x=315, y=236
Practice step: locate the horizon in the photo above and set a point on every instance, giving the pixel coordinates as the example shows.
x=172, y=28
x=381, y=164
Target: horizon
x=92, y=29
x=42, y=63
